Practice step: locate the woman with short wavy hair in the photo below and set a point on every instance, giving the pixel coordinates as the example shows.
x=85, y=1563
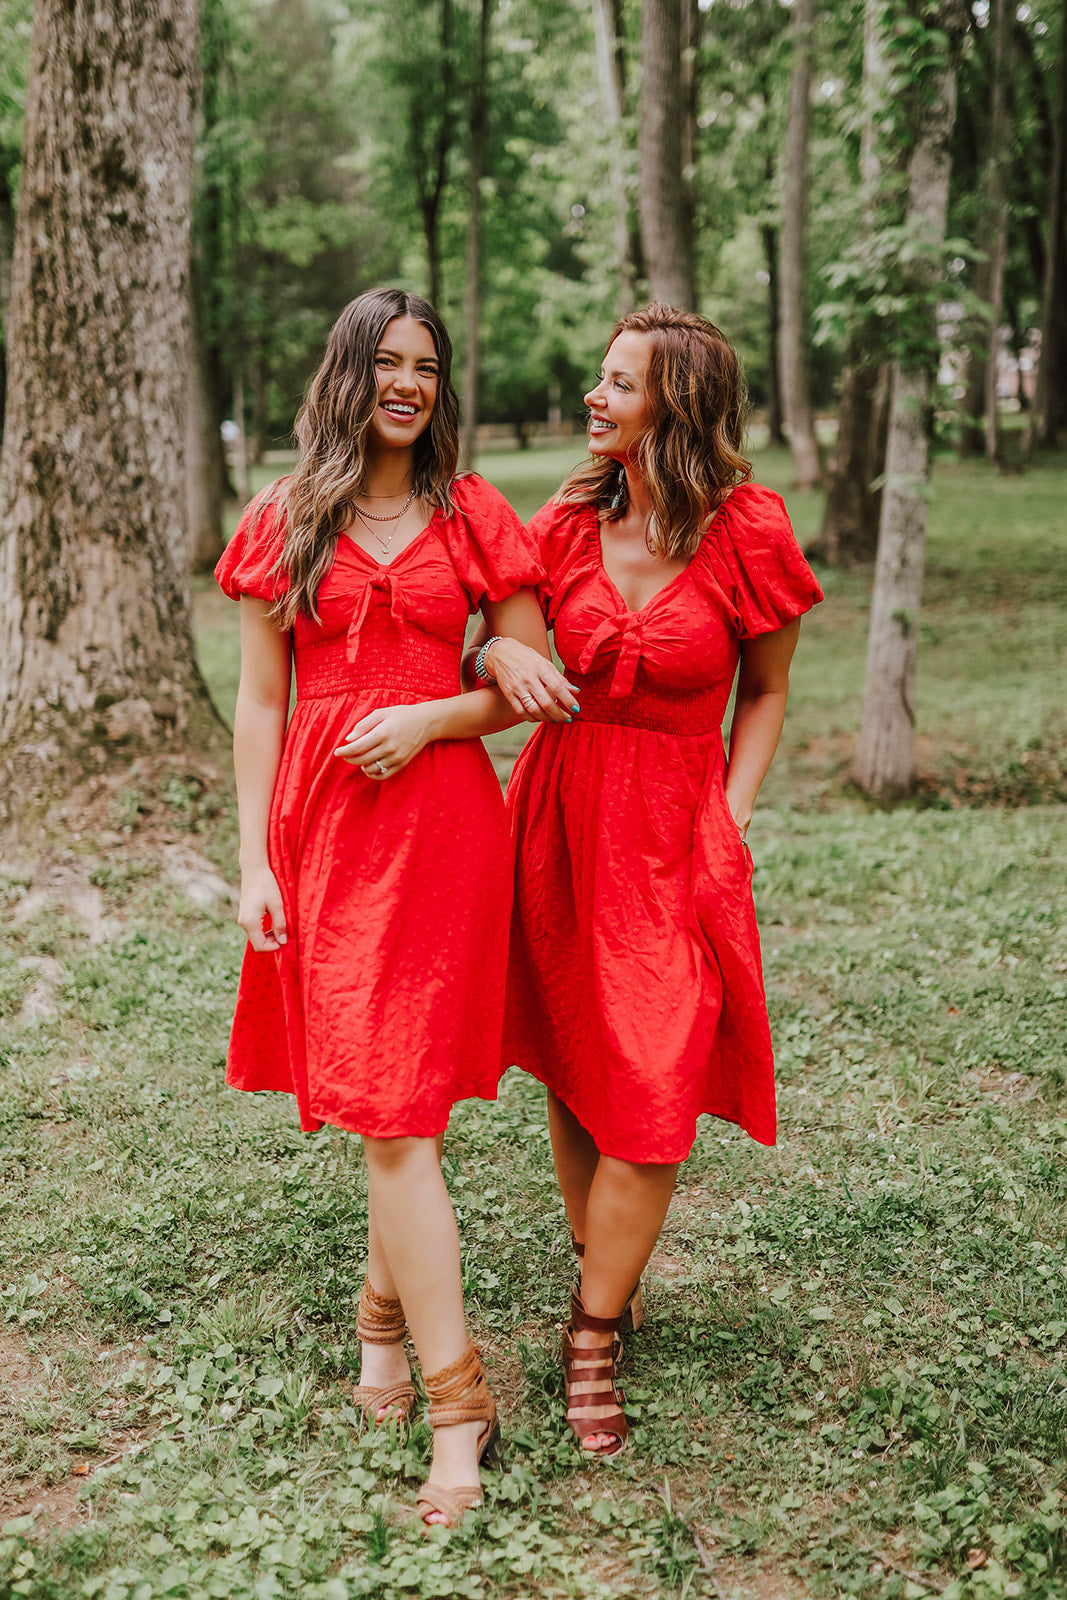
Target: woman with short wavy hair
x=636, y=993
x=375, y=860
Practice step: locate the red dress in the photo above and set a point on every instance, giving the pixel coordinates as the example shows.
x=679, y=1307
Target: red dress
x=636, y=989
x=385, y=1006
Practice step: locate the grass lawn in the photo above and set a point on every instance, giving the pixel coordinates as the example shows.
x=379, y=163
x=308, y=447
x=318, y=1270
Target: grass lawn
x=851, y=1380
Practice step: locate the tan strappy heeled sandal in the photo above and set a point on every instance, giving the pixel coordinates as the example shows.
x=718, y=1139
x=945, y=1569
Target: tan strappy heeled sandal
x=596, y=1370
x=633, y=1313
x=457, y=1394
x=381, y=1321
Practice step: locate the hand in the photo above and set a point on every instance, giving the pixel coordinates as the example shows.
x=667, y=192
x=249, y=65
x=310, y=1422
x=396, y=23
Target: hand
x=260, y=912
x=384, y=741
x=531, y=685
x=742, y=818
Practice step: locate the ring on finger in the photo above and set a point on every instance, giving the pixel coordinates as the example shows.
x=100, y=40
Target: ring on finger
x=528, y=701
x=382, y=768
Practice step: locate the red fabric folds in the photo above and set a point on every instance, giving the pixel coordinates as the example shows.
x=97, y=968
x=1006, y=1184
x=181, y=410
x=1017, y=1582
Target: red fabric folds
x=635, y=982
x=385, y=1006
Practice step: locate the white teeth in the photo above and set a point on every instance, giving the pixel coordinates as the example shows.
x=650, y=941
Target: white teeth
x=400, y=410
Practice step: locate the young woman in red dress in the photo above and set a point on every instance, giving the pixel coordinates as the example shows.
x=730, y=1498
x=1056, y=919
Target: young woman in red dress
x=636, y=992
x=375, y=857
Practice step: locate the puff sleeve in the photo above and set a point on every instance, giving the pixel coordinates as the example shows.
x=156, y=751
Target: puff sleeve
x=492, y=552
x=565, y=551
x=245, y=565
x=758, y=563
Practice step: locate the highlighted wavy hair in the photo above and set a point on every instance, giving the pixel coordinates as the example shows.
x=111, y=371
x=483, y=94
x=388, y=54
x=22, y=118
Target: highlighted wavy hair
x=689, y=458
x=331, y=431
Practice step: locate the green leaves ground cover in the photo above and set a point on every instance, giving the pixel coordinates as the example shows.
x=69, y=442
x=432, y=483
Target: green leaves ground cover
x=853, y=1367
x=852, y=1376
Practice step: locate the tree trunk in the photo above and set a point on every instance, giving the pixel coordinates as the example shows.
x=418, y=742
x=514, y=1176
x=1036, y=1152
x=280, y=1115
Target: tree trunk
x=7, y=247
x=774, y=387
x=1000, y=19
x=430, y=193
x=609, y=59
x=666, y=212
x=240, y=439
x=796, y=392
x=849, y=532
x=1050, y=389
x=472, y=297
x=96, y=644
x=884, y=759
x=205, y=460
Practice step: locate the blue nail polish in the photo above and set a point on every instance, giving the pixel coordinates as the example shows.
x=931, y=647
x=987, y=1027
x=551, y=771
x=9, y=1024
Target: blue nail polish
x=568, y=719
x=576, y=708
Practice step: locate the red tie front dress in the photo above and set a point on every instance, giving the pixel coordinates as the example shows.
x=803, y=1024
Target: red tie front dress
x=385, y=1006
x=635, y=986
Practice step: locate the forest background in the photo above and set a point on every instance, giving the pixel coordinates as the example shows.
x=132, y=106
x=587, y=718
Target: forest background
x=852, y=1380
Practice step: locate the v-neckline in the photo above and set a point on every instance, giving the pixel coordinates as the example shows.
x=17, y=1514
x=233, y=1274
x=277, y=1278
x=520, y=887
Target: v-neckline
x=352, y=545
x=610, y=581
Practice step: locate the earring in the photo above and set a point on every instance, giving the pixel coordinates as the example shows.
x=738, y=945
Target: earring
x=620, y=488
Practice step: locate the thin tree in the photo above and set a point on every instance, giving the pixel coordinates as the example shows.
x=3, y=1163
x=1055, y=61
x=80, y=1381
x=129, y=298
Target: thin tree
x=96, y=647
x=849, y=532
x=797, y=410
x=1050, y=390
x=611, y=70
x=472, y=294
x=884, y=760
x=665, y=199
x=431, y=135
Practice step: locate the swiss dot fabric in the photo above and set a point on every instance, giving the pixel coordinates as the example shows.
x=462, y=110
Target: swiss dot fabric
x=385, y=1006
x=635, y=984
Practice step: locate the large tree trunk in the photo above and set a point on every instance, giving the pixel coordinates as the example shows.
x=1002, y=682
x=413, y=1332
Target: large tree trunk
x=884, y=759
x=665, y=202
x=796, y=391
x=7, y=247
x=611, y=71
x=1050, y=391
x=205, y=459
x=849, y=532
x=472, y=297
x=96, y=646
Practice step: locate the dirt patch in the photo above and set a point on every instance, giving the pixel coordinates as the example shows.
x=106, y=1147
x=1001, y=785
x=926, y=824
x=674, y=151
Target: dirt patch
x=29, y=1381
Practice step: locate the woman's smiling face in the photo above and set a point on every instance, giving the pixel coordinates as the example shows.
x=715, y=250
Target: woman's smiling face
x=406, y=369
x=619, y=407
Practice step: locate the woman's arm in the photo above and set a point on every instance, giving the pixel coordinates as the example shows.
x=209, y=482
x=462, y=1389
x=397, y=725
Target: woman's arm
x=759, y=711
x=258, y=732
x=394, y=735
x=522, y=669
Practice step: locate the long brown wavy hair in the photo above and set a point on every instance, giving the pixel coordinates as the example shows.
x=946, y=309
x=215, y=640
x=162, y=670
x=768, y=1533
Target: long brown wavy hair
x=689, y=457
x=331, y=431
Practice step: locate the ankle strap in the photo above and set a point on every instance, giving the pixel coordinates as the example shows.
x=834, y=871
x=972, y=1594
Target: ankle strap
x=447, y=1385
x=378, y=1321
x=583, y=1322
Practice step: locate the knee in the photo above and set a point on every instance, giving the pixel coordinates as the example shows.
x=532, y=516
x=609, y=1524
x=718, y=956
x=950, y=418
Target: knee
x=393, y=1158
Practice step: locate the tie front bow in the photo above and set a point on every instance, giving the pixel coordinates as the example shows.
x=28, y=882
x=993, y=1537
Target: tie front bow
x=627, y=630
x=382, y=588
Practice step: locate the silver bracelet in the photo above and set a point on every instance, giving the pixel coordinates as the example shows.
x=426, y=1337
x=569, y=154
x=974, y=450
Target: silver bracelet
x=479, y=661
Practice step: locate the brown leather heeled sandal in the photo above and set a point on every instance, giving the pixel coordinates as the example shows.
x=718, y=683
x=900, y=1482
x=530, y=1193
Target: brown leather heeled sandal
x=597, y=1371
x=381, y=1321
x=633, y=1314
x=458, y=1394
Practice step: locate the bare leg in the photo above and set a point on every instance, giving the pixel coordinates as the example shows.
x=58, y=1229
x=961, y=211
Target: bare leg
x=576, y=1158
x=416, y=1231
x=383, y=1364
x=625, y=1210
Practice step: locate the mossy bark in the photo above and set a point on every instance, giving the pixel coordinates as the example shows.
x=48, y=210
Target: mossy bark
x=96, y=644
